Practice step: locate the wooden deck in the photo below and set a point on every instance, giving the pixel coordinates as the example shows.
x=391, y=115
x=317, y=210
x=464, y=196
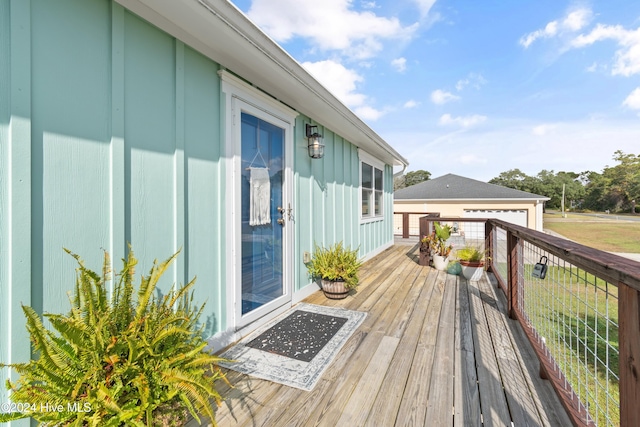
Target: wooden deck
x=434, y=350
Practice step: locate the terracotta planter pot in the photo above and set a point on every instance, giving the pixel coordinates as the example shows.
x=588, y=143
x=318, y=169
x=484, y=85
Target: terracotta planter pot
x=472, y=271
x=334, y=290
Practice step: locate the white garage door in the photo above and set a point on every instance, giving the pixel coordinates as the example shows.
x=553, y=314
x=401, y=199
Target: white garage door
x=514, y=216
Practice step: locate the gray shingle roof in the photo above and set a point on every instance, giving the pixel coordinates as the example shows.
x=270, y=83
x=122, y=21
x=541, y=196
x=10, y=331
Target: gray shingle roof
x=455, y=187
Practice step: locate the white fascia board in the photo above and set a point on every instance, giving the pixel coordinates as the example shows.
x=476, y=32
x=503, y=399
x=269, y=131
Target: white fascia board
x=535, y=199
x=220, y=31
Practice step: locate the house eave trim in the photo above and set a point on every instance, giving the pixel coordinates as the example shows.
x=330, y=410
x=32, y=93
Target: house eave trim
x=240, y=46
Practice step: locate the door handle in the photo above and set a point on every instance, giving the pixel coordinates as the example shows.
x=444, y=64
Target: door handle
x=281, y=220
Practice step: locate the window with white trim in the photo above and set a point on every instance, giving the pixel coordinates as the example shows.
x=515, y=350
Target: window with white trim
x=371, y=188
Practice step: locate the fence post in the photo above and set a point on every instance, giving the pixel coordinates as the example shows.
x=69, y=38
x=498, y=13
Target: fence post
x=512, y=285
x=488, y=245
x=629, y=331
x=405, y=225
x=424, y=226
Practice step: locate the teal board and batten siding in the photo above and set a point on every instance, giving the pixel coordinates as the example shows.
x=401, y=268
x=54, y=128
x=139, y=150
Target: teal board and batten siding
x=110, y=133
x=376, y=235
x=328, y=202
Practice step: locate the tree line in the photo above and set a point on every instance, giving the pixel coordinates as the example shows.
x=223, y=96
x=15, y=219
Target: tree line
x=615, y=189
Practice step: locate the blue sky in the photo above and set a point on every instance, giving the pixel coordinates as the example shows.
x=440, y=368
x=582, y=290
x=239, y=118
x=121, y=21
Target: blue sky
x=473, y=87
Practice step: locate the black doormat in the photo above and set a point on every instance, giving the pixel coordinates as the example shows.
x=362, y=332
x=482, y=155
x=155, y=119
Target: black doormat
x=300, y=336
x=323, y=321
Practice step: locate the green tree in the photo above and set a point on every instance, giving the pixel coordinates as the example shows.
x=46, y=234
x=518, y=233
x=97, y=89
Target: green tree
x=625, y=180
x=551, y=185
x=411, y=178
x=595, y=190
x=516, y=179
x=618, y=187
x=546, y=183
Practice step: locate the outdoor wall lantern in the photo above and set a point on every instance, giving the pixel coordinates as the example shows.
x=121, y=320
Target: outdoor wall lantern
x=316, y=147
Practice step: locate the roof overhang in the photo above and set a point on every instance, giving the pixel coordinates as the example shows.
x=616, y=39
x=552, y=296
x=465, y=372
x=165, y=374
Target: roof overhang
x=532, y=200
x=220, y=31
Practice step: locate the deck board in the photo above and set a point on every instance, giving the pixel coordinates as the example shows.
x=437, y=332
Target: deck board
x=521, y=405
x=386, y=405
x=467, y=398
x=440, y=402
x=493, y=402
x=433, y=350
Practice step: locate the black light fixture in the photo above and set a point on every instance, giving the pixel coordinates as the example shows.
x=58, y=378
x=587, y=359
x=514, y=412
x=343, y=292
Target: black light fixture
x=316, y=147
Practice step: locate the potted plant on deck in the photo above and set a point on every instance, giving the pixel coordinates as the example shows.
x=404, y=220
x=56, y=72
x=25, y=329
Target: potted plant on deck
x=471, y=259
x=337, y=268
x=436, y=243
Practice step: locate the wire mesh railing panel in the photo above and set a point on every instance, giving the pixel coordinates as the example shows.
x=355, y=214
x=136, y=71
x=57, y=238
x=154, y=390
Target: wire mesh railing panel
x=500, y=254
x=575, y=315
x=465, y=233
x=413, y=222
x=397, y=224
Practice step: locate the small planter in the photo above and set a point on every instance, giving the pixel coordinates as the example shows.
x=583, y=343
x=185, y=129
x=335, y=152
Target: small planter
x=337, y=269
x=472, y=271
x=440, y=262
x=334, y=289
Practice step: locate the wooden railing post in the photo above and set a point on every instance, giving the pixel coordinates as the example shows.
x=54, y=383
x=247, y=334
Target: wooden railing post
x=405, y=225
x=424, y=226
x=488, y=244
x=512, y=280
x=628, y=337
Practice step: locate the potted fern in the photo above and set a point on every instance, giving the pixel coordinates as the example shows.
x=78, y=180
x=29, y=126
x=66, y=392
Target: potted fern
x=337, y=269
x=472, y=260
x=129, y=358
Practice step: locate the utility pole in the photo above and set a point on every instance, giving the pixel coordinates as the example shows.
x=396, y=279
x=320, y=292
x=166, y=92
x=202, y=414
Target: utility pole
x=562, y=203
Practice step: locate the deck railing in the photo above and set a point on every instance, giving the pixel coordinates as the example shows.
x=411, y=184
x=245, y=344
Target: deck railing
x=406, y=224
x=582, y=318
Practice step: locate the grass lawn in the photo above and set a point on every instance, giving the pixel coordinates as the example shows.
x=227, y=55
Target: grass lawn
x=603, y=234
x=578, y=316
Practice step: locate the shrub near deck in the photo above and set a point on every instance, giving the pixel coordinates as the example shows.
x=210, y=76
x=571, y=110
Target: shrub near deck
x=118, y=361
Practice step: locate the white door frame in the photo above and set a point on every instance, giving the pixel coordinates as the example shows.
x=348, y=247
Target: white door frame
x=240, y=97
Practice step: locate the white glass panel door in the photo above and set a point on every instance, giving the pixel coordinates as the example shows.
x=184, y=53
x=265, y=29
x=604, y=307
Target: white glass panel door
x=262, y=218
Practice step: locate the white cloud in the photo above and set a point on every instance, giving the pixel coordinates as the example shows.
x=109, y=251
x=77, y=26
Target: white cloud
x=411, y=104
x=400, y=64
x=329, y=24
x=465, y=122
x=474, y=80
x=340, y=81
x=369, y=5
x=577, y=20
x=574, y=21
x=549, y=31
x=343, y=83
x=527, y=154
x=543, y=129
x=424, y=6
x=369, y=113
x=471, y=159
x=633, y=100
x=440, y=97
x=627, y=57
x=593, y=67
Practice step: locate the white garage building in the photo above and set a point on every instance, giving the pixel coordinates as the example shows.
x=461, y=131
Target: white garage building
x=454, y=196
